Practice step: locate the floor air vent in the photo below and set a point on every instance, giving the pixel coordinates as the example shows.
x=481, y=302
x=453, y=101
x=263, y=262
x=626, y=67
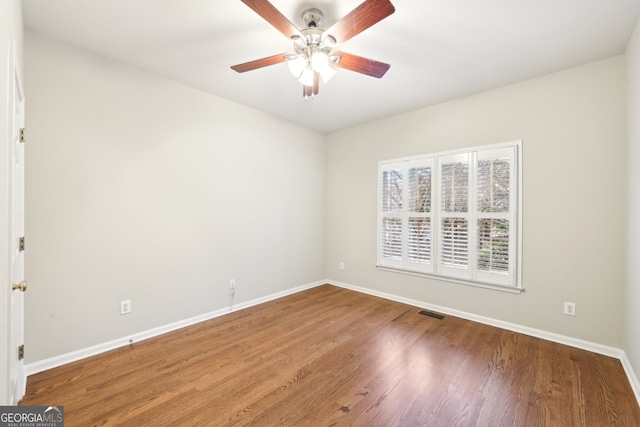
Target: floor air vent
x=432, y=314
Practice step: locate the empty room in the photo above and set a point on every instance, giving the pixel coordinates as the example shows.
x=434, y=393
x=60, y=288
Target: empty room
x=284, y=212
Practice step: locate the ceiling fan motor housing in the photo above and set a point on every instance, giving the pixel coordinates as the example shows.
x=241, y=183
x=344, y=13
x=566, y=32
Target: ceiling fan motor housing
x=312, y=18
x=314, y=39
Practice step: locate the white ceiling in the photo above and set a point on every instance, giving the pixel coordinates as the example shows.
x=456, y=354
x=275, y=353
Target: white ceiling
x=438, y=49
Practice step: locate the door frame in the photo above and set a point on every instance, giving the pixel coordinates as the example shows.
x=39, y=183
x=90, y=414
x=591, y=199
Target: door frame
x=16, y=191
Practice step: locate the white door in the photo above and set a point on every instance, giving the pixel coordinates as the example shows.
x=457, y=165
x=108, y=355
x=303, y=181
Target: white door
x=16, y=350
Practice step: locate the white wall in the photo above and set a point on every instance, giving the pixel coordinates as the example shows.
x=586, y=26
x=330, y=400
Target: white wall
x=141, y=188
x=632, y=320
x=573, y=127
x=11, y=33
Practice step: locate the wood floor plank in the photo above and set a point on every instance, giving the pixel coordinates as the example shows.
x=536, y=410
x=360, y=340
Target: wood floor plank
x=331, y=357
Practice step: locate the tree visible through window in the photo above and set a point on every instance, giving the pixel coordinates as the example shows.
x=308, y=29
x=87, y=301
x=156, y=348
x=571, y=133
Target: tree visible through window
x=391, y=227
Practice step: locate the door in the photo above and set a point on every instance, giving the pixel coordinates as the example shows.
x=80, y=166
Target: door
x=16, y=351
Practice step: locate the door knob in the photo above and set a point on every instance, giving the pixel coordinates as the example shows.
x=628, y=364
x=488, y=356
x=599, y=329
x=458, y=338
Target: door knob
x=22, y=286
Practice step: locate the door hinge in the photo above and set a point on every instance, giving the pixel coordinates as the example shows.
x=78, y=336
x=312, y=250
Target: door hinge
x=22, y=135
x=21, y=352
x=21, y=244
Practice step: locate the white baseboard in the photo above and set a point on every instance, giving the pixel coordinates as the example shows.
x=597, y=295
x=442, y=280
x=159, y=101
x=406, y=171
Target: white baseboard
x=633, y=379
x=43, y=365
x=63, y=359
x=550, y=336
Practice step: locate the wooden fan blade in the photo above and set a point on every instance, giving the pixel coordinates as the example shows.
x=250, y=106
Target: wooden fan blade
x=362, y=65
x=259, y=63
x=359, y=19
x=273, y=16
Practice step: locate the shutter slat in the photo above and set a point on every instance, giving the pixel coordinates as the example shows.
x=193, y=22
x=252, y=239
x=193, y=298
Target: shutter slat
x=493, y=185
x=392, y=190
x=419, y=240
x=454, y=242
x=454, y=181
x=419, y=187
x=392, y=238
x=493, y=245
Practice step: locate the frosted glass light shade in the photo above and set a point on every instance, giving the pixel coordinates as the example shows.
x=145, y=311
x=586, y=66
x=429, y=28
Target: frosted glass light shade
x=320, y=64
x=307, y=77
x=327, y=73
x=297, y=66
x=319, y=61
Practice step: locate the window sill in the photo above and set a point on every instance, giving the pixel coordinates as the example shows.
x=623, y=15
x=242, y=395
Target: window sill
x=509, y=289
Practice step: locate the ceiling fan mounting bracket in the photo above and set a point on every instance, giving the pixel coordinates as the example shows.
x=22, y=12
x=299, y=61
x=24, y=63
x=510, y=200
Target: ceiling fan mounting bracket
x=312, y=18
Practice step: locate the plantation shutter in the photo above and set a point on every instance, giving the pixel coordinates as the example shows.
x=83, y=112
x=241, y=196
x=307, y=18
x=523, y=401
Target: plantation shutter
x=495, y=215
x=419, y=215
x=390, y=243
x=454, y=215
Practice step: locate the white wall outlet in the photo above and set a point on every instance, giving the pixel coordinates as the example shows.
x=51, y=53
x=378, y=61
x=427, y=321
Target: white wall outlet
x=341, y=266
x=232, y=284
x=125, y=307
x=569, y=308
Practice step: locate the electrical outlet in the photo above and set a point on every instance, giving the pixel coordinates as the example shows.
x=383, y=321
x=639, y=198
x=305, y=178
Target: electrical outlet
x=232, y=284
x=569, y=308
x=125, y=307
x=341, y=266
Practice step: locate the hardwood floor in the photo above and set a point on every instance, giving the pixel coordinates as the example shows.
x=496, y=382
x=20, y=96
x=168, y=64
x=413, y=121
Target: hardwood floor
x=330, y=356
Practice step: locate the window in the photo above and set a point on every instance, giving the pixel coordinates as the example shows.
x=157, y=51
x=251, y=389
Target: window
x=455, y=215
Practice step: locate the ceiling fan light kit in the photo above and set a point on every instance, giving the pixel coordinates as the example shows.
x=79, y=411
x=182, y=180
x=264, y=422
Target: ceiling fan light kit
x=312, y=51
x=314, y=58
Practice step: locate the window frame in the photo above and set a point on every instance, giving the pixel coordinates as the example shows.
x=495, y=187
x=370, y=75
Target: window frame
x=472, y=274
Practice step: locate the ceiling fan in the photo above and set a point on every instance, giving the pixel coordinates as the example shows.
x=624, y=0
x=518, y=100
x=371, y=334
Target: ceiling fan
x=314, y=56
